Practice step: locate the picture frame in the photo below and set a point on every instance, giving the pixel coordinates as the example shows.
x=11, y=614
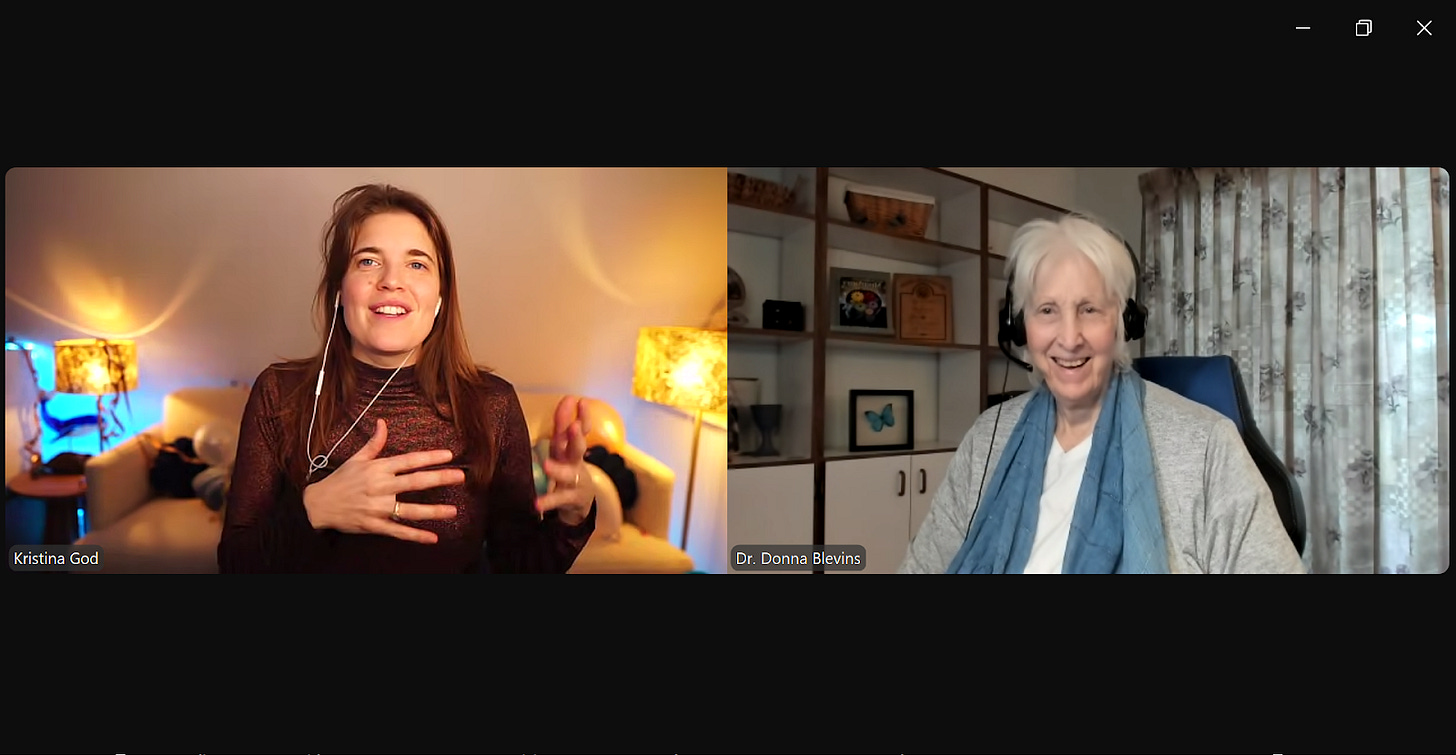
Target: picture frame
x=881, y=420
x=862, y=301
x=924, y=307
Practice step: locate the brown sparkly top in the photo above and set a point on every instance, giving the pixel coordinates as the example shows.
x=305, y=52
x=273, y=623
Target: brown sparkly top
x=266, y=528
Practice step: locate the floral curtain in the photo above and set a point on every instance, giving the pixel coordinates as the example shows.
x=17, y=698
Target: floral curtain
x=1328, y=287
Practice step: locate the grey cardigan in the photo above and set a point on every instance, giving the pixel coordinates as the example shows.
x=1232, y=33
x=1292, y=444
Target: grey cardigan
x=1218, y=514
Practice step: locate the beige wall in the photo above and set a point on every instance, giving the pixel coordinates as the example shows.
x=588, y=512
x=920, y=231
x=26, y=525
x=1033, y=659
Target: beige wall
x=1109, y=194
x=1056, y=186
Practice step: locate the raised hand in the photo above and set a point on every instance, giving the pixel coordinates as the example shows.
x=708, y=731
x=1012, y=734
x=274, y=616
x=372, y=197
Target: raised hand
x=573, y=491
x=360, y=498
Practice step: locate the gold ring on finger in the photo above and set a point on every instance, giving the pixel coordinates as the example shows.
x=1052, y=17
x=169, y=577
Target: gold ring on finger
x=395, y=515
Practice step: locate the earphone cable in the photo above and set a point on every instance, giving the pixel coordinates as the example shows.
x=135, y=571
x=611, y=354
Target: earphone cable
x=316, y=463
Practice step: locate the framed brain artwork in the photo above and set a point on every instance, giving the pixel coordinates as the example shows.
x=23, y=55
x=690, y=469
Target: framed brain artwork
x=862, y=301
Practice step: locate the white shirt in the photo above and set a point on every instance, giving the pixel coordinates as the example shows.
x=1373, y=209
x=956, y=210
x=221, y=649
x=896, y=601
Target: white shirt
x=1058, y=500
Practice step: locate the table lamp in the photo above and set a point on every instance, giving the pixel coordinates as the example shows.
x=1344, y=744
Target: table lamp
x=96, y=367
x=685, y=368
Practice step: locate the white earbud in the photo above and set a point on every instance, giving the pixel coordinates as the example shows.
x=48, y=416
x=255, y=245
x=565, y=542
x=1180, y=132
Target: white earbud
x=337, y=294
x=437, y=307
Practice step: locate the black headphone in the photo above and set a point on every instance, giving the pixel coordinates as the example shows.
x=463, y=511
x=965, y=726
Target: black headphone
x=1012, y=329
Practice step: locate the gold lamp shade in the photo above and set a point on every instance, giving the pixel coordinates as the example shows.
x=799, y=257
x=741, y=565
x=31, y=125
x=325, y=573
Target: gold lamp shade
x=95, y=367
x=685, y=368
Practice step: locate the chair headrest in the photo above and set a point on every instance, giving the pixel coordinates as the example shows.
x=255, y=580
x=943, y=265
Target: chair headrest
x=1213, y=381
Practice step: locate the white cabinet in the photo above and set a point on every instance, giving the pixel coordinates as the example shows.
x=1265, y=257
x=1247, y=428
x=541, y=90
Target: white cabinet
x=879, y=503
x=770, y=506
x=929, y=473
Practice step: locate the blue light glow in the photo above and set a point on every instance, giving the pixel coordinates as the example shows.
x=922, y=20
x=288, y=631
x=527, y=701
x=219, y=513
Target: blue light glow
x=67, y=405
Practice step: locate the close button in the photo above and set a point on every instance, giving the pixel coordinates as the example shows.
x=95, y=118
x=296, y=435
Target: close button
x=1425, y=27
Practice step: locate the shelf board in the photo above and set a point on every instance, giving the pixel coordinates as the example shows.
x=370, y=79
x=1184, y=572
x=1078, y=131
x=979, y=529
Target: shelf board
x=856, y=340
x=759, y=221
x=853, y=238
x=921, y=447
x=849, y=340
x=741, y=461
x=1016, y=210
x=941, y=184
x=763, y=335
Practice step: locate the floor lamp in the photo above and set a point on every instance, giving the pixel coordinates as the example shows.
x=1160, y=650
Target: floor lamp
x=685, y=368
x=95, y=367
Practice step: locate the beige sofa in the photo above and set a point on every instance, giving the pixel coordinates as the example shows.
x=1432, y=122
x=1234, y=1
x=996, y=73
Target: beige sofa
x=140, y=532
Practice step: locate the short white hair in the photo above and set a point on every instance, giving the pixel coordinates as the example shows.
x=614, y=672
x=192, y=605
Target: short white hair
x=1036, y=242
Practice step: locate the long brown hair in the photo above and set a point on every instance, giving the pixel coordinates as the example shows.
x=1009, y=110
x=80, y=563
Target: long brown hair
x=446, y=374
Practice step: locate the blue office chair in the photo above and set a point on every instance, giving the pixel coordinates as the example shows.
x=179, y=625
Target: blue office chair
x=1214, y=381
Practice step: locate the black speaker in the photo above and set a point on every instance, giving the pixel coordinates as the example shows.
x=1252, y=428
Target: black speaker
x=783, y=315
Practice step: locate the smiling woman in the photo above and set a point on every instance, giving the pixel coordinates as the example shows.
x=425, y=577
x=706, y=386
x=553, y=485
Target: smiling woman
x=439, y=478
x=1095, y=471
x=391, y=291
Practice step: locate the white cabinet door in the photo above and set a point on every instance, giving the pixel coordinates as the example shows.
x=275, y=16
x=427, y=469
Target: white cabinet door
x=770, y=506
x=927, y=472
x=867, y=502
x=880, y=503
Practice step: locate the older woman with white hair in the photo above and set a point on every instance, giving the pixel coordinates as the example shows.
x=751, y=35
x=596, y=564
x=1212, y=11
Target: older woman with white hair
x=1094, y=471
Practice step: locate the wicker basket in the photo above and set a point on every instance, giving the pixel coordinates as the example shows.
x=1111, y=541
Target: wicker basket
x=888, y=210
x=757, y=191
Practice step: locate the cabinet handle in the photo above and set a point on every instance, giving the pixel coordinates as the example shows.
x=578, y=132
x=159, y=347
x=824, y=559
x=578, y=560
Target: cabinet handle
x=922, y=482
x=902, y=482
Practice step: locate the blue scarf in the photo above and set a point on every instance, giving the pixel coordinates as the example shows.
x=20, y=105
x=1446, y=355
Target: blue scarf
x=1116, y=526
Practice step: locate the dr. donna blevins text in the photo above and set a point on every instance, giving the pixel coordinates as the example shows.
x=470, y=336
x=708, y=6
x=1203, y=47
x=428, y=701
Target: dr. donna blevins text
x=798, y=557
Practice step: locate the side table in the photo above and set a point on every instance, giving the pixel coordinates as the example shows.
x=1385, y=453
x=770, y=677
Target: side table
x=62, y=494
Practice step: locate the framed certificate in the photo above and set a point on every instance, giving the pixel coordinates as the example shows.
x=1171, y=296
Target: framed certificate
x=922, y=306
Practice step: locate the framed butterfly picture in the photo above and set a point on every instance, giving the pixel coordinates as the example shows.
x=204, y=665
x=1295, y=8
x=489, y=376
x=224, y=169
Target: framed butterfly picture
x=881, y=420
